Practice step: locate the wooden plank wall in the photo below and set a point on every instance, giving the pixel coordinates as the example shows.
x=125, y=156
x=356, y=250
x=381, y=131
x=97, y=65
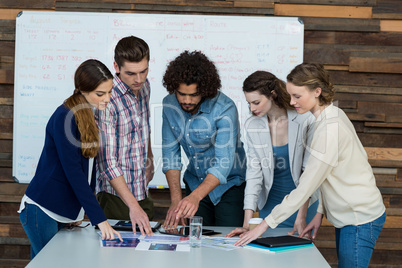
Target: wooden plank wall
x=358, y=41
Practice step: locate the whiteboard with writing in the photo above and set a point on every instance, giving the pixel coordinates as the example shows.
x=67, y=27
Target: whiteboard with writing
x=51, y=45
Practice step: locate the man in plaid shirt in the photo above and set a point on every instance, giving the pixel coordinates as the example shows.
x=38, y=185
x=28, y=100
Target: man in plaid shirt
x=125, y=160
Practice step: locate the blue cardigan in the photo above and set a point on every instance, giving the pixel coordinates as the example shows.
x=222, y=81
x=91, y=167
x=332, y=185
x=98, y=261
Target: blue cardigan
x=60, y=183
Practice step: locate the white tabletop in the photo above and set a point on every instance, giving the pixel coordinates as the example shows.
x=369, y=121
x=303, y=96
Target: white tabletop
x=81, y=248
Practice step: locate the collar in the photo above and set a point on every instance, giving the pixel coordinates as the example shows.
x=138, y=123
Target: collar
x=326, y=113
x=293, y=116
x=122, y=87
x=207, y=105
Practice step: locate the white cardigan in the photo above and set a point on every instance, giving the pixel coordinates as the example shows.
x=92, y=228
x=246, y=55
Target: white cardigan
x=260, y=161
x=337, y=164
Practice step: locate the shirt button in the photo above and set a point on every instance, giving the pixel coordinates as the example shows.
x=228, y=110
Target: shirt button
x=198, y=168
x=188, y=134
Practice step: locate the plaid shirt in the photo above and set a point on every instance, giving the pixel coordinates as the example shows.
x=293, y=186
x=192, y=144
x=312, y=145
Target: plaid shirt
x=124, y=135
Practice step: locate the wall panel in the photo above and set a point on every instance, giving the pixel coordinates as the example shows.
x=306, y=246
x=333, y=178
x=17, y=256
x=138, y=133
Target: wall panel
x=358, y=41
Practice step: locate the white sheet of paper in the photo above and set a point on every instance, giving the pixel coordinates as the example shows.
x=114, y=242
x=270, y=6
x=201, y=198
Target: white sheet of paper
x=221, y=243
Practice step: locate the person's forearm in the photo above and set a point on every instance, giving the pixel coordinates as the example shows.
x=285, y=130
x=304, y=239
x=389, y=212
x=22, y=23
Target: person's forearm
x=120, y=186
x=248, y=214
x=301, y=214
x=209, y=183
x=173, y=180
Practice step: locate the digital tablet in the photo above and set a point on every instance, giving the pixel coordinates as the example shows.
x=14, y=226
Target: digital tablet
x=127, y=226
x=281, y=241
x=185, y=231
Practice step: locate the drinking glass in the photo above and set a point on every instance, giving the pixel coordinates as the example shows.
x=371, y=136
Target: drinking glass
x=195, y=231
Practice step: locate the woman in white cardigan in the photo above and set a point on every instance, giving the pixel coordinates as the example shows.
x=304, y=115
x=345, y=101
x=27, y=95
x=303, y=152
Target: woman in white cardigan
x=338, y=164
x=276, y=137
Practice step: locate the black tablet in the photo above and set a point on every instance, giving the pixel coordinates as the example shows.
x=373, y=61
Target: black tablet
x=281, y=241
x=185, y=231
x=127, y=226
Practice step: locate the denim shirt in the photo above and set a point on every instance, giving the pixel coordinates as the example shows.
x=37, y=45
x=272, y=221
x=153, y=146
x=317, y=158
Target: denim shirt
x=211, y=140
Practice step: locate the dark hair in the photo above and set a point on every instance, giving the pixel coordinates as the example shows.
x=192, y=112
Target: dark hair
x=193, y=68
x=313, y=75
x=88, y=76
x=270, y=86
x=131, y=49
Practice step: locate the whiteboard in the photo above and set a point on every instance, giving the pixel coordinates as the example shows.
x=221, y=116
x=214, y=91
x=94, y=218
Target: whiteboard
x=51, y=45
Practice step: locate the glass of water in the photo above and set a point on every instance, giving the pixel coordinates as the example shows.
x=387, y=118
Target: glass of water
x=195, y=231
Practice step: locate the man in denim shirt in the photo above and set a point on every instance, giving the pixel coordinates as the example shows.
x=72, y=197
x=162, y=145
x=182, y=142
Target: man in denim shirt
x=204, y=122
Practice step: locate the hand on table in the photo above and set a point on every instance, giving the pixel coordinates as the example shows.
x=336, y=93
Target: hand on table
x=314, y=224
x=140, y=218
x=187, y=207
x=252, y=235
x=237, y=231
x=299, y=227
x=171, y=221
x=108, y=233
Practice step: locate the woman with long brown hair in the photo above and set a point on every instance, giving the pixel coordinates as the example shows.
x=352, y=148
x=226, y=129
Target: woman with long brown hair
x=276, y=136
x=63, y=185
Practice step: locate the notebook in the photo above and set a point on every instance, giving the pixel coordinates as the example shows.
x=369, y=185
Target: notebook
x=281, y=241
x=276, y=249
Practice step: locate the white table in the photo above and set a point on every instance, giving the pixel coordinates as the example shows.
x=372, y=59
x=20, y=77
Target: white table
x=81, y=248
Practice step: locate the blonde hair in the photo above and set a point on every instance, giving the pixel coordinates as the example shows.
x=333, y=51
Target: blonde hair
x=313, y=75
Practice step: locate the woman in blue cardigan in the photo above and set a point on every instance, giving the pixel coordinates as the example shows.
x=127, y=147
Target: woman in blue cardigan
x=64, y=182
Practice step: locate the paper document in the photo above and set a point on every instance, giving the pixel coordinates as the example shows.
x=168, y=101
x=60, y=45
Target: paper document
x=165, y=239
x=222, y=243
x=127, y=243
x=134, y=240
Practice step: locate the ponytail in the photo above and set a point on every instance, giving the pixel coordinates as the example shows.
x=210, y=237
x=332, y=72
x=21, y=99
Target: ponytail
x=88, y=76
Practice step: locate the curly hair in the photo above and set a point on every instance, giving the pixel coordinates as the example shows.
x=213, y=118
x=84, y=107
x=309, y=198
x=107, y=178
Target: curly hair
x=313, y=75
x=193, y=68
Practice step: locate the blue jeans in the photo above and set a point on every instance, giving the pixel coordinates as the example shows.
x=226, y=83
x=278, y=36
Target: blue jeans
x=38, y=226
x=355, y=244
